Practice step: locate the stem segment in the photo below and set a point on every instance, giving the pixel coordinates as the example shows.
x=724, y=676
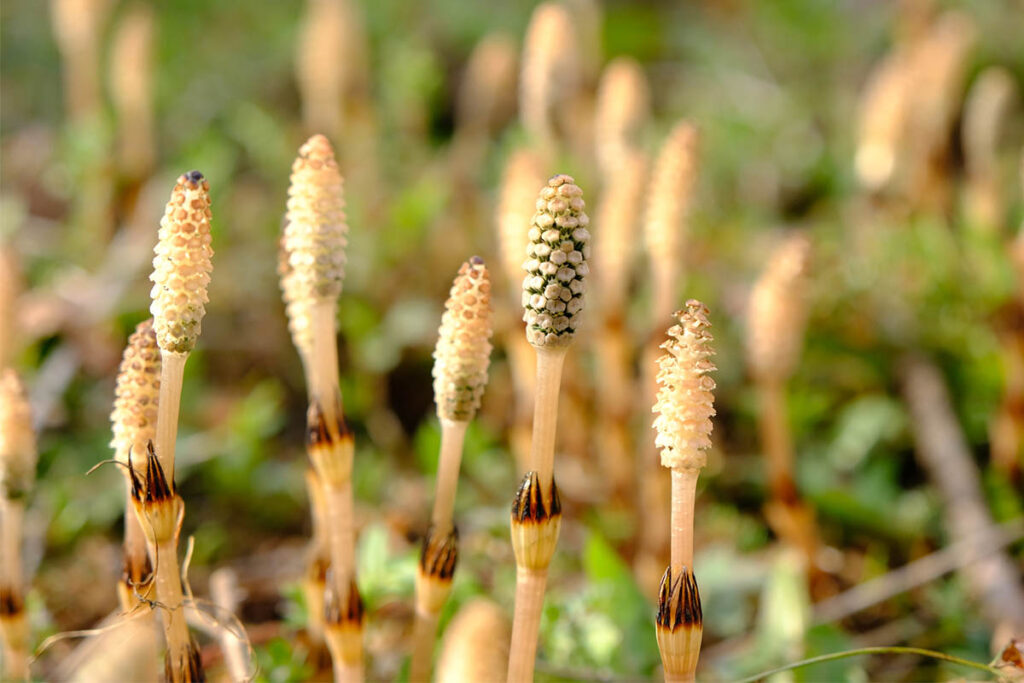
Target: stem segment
x=684, y=493
x=545, y=415
x=530, y=585
x=453, y=435
x=169, y=594
x=172, y=373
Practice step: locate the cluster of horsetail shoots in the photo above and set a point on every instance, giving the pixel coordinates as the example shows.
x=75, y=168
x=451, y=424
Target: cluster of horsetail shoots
x=133, y=422
x=181, y=274
x=313, y=268
x=17, y=476
x=672, y=182
x=685, y=406
x=461, y=359
x=553, y=293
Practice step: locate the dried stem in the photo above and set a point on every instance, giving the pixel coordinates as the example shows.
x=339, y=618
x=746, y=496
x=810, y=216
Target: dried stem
x=684, y=492
x=172, y=374
x=545, y=415
x=224, y=592
x=170, y=597
x=530, y=585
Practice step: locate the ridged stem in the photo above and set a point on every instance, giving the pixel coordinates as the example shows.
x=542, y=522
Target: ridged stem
x=545, y=415
x=684, y=494
x=169, y=595
x=453, y=435
x=172, y=374
x=341, y=534
x=530, y=585
x=423, y=636
x=324, y=371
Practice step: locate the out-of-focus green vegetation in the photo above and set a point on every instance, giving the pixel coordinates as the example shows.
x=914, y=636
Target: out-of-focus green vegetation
x=774, y=88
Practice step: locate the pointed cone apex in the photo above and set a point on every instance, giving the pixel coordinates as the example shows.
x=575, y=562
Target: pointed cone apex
x=535, y=524
x=680, y=623
x=685, y=400
x=17, y=440
x=556, y=264
x=137, y=391
x=182, y=265
x=315, y=233
x=463, y=350
x=438, y=558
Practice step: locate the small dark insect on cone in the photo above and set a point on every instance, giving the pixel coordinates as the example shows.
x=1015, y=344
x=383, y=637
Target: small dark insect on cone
x=535, y=525
x=438, y=558
x=680, y=624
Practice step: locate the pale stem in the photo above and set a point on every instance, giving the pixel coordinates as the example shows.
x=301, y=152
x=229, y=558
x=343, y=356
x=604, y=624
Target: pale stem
x=530, y=584
x=684, y=493
x=340, y=534
x=347, y=673
x=224, y=591
x=424, y=631
x=677, y=677
x=172, y=373
x=12, y=513
x=324, y=370
x=453, y=435
x=545, y=415
x=169, y=595
x=775, y=437
x=134, y=536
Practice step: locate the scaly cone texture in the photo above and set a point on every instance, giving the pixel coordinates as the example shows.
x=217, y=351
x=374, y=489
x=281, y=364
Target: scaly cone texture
x=556, y=264
x=778, y=311
x=463, y=350
x=623, y=109
x=475, y=645
x=685, y=402
x=182, y=265
x=133, y=423
x=17, y=440
x=137, y=391
x=671, y=188
x=315, y=233
x=549, y=70
x=298, y=308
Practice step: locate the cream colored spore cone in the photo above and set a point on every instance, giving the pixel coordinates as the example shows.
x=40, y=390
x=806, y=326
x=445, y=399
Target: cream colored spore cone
x=556, y=264
x=685, y=400
x=463, y=349
x=136, y=394
x=316, y=234
x=182, y=265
